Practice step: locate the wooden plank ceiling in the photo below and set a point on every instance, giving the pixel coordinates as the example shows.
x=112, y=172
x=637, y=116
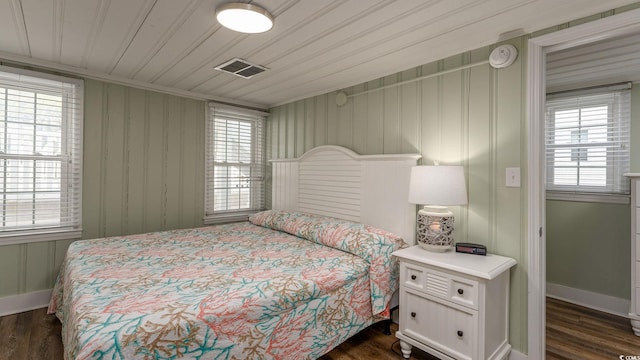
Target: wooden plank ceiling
x=316, y=46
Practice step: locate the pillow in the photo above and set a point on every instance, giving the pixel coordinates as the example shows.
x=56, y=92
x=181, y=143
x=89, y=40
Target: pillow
x=367, y=242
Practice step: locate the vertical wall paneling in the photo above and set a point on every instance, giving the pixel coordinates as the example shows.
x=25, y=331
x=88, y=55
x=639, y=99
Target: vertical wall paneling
x=143, y=171
x=94, y=112
x=471, y=117
x=345, y=123
x=479, y=155
x=451, y=114
x=291, y=126
x=430, y=112
x=300, y=128
x=409, y=112
x=375, y=118
x=114, y=145
x=173, y=147
x=359, y=120
x=9, y=264
x=272, y=125
x=309, y=124
x=463, y=215
x=508, y=126
x=37, y=259
x=332, y=119
x=320, y=120
x=154, y=176
x=23, y=266
x=281, y=122
x=509, y=224
x=191, y=160
x=391, y=113
x=60, y=252
x=136, y=145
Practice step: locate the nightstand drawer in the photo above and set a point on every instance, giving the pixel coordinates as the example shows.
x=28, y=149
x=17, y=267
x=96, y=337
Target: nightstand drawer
x=446, y=286
x=440, y=326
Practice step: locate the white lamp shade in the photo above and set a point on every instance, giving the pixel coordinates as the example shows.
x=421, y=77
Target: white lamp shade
x=437, y=185
x=246, y=18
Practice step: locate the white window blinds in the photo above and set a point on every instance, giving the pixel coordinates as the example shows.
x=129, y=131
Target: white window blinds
x=40, y=156
x=587, y=140
x=235, y=164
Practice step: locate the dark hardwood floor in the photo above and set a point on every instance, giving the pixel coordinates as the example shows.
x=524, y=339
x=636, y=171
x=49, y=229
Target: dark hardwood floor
x=573, y=333
x=32, y=335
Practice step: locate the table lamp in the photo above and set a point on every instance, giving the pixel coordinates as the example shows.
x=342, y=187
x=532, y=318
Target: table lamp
x=436, y=187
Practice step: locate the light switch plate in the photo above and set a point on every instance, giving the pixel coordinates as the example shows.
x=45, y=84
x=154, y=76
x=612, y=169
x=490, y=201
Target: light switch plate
x=513, y=177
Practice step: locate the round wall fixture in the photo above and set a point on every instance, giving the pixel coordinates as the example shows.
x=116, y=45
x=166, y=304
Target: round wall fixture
x=341, y=98
x=503, y=56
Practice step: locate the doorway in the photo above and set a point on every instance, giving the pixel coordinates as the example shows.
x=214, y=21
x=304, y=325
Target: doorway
x=607, y=28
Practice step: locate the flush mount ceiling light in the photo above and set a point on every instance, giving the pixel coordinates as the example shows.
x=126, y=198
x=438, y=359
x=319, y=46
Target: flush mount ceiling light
x=246, y=18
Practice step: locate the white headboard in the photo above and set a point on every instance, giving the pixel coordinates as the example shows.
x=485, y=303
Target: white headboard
x=335, y=181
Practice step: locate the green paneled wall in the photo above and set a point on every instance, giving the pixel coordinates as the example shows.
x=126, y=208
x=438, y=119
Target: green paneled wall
x=588, y=247
x=472, y=117
x=143, y=171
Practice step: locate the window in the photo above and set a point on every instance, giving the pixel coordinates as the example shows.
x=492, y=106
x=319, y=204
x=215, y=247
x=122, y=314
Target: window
x=235, y=164
x=587, y=141
x=40, y=156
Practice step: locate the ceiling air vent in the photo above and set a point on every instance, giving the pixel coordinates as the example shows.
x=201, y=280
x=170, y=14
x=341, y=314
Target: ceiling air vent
x=241, y=68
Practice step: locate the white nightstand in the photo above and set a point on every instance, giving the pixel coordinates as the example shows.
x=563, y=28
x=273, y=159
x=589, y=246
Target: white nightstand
x=454, y=305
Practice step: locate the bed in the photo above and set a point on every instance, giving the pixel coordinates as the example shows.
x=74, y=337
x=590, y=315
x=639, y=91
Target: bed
x=291, y=283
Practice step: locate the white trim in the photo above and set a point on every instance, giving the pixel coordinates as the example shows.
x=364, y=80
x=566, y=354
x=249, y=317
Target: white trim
x=625, y=23
x=592, y=300
x=242, y=110
x=593, y=197
x=352, y=154
x=535, y=226
x=49, y=65
x=40, y=75
x=517, y=355
x=227, y=218
x=31, y=237
x=24, y=302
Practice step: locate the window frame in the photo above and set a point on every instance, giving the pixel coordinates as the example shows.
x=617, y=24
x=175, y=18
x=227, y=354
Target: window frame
x=614, y=97
x=71, y=91
x=257, y=119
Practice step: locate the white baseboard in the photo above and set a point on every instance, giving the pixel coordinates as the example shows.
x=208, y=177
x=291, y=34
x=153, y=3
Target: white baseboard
x=600, y=302
x=517, y=355
x=24, y=302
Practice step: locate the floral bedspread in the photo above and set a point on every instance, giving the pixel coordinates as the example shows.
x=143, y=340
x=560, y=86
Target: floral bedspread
x=236, y=291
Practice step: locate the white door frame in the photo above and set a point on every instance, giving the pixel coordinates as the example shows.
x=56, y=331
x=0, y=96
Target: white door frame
x=612, y=26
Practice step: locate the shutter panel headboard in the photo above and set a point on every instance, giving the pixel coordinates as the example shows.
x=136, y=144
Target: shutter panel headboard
x=335, y=181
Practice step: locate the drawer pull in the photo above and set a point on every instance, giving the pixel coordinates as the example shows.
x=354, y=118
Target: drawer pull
x=413, y=314
x=413, y=277
x=460, y=333
x=460, y=291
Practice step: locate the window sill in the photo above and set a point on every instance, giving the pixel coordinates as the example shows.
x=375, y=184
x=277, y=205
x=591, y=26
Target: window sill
x=228, y=217
x=592, y=198
x=26, y=237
